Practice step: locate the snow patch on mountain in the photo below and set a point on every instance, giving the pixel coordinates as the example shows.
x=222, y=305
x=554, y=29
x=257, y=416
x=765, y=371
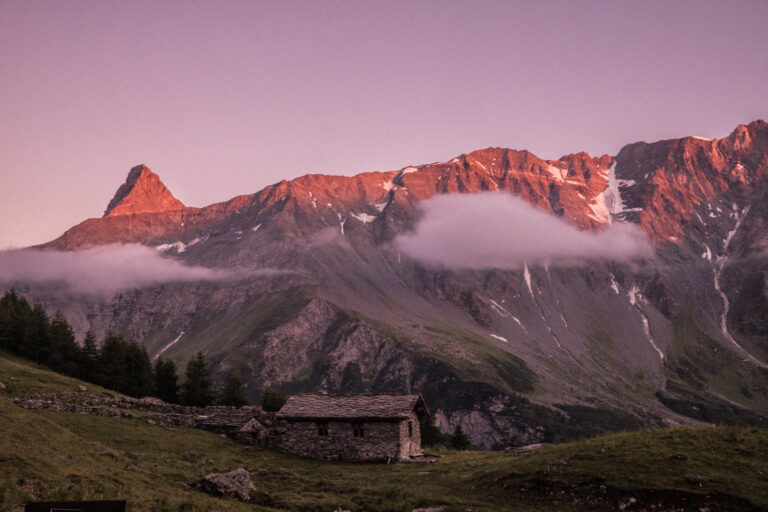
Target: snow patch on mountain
x=365, y=218
x=557, y=173
x=720, y=263
x=527, y=277
x=172, y=343
x=614, y=285
x=647, y=331
x=499, y=309
x=633, y=294
x=612, y=194
x=599, y=210
x=179, y=246
x=517, y=320
x=500, y=338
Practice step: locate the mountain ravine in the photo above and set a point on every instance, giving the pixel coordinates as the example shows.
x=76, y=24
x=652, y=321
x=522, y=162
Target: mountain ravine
x=323, y=299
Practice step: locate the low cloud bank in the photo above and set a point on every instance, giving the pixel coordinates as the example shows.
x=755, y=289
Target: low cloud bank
x=496, y=230
x=101, y=270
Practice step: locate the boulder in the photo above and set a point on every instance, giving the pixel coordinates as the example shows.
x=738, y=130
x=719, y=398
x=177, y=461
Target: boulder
x=695, y=479
x=236, y=483
x=2, y=386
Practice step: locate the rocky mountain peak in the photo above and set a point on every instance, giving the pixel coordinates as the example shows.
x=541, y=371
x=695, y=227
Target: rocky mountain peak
x=142, y=192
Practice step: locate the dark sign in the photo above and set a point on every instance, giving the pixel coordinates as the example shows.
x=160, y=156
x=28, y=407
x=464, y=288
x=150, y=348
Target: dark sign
x=76, y=506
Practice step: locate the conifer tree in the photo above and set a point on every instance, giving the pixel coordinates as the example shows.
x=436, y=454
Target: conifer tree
x=273, y=400
x=7, y=318
x=37, y=345
x=459, y=439
x=166, y=381
x=111, y=371
x=430, y=434
x=89, y=357
x=64, y=351
x=139, y=377
x=234, y=392
x=196, y=389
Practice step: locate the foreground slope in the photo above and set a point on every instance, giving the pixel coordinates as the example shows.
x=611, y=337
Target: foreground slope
x=54, y=455
x=515, y=356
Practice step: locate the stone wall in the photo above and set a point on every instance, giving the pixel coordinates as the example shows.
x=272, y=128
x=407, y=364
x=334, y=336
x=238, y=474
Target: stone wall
x=380, y=442
x=410, y=445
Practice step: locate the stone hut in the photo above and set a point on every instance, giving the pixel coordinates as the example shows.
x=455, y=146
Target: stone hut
x=359, y=427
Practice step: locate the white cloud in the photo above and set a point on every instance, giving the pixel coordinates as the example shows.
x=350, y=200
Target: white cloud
x=101, y=270
x=496, y=230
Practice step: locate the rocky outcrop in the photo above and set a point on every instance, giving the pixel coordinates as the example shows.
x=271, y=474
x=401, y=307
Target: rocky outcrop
x=236, y=483
x=142, y=192
x=219, y=419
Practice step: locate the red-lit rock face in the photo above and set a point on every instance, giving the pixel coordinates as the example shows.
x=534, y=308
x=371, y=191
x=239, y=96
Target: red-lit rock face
x=142, y=192
x=667, y=182
x=657, y=185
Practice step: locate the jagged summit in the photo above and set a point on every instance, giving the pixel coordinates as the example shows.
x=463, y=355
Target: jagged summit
x=142, y=192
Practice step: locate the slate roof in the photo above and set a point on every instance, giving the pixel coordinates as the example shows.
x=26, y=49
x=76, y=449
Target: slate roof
x=352, y=406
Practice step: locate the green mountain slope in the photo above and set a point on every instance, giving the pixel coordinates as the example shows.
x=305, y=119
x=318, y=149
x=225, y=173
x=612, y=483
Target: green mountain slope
x=54, y=455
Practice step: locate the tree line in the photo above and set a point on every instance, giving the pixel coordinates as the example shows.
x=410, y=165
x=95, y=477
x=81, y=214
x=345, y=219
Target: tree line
x=125, y=366
x=118, y=364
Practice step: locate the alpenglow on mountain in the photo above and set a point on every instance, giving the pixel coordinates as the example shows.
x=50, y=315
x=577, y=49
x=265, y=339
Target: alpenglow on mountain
x=325, y=299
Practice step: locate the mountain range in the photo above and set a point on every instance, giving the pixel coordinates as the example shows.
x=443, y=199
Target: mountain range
x=322, y=296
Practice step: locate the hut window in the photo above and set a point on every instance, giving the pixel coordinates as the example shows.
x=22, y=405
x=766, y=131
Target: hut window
x=322, y=429
x=410, y=429
x=357, y=430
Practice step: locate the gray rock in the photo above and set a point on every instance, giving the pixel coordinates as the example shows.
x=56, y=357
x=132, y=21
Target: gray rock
x=2, y=386
x=695, y=479
x=236, y=483
x=82, y=388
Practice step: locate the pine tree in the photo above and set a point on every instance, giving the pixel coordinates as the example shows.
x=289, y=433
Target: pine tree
x=14, y=318
x=64, y=351
x=273, y=400
x=166, y=381
x=459, y=439
x=89, y=358
x=111, y=371
x=7, y=319
x=139, y=374
x=234, y=392
x=196, y=389
x=37, y=345
x=430, y=434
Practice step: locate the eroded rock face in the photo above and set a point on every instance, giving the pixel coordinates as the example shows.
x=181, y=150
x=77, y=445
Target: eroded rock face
x=142, y=192
x=236, y=483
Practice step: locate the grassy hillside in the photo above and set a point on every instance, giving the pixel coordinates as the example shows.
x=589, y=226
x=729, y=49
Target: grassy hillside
x=51, y=455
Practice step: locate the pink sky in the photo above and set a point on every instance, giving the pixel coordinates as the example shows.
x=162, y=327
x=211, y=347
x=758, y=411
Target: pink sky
x=223, y=98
